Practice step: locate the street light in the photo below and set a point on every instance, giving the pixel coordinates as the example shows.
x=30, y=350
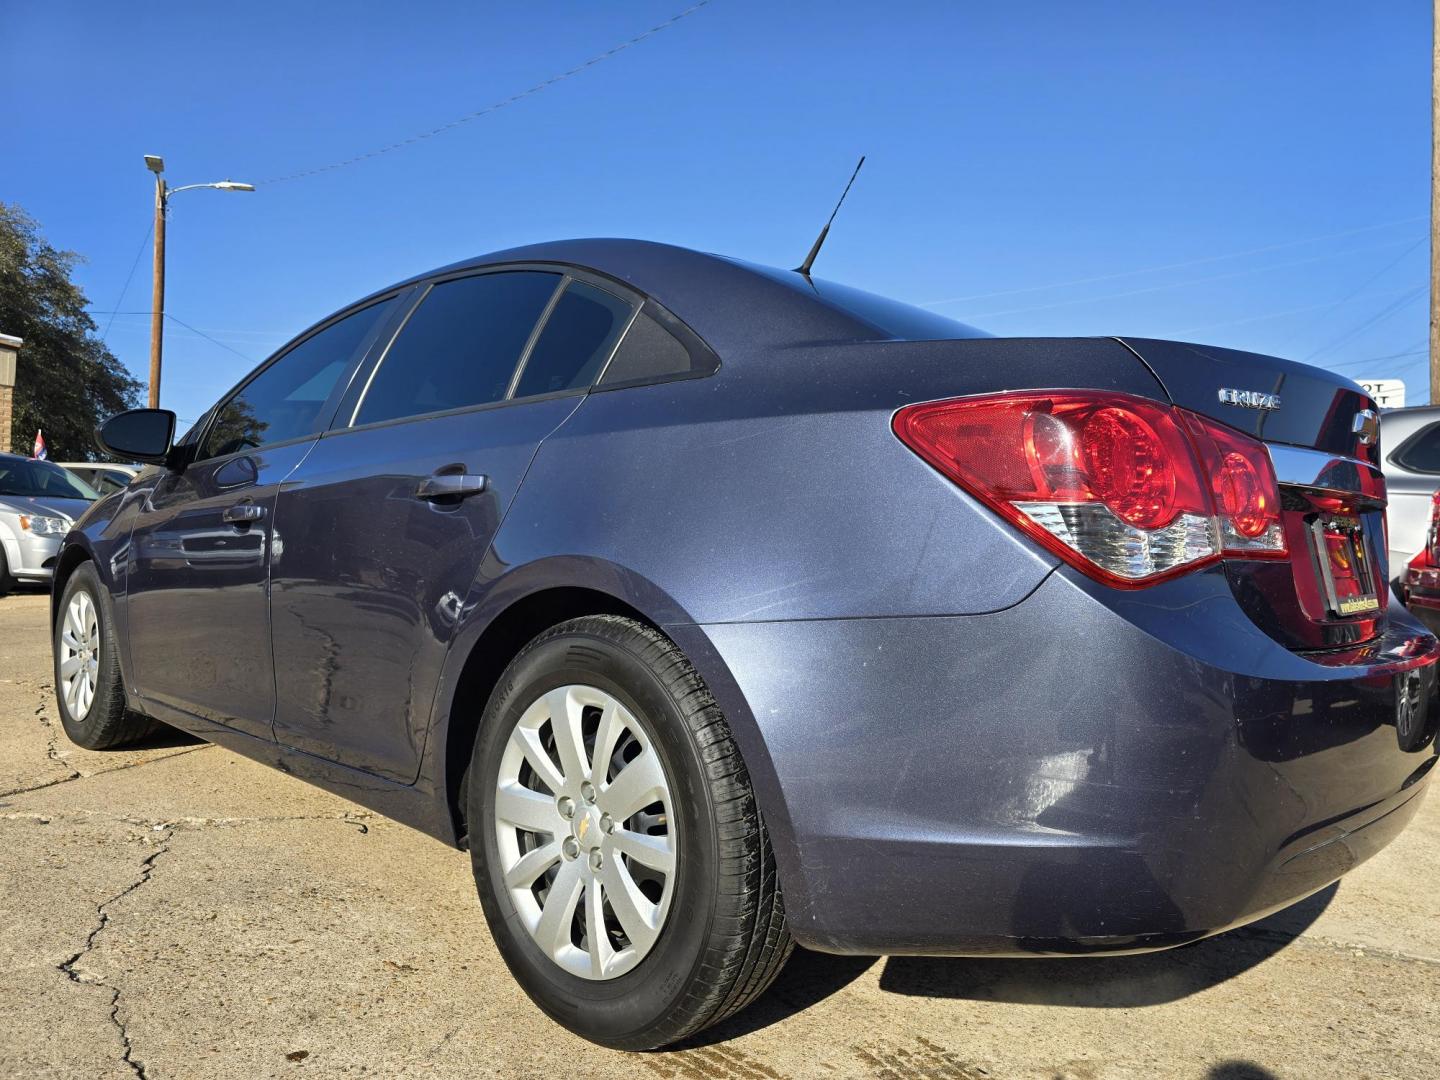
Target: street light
x=156, y=164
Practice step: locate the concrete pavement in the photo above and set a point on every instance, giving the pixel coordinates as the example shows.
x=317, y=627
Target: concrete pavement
x=179, y=912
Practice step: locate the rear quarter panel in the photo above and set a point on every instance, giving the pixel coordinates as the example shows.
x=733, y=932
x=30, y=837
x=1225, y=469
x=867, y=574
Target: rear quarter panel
x=776, y=489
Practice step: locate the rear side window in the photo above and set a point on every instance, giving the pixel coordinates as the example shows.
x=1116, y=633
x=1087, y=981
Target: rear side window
x=284, y=400
x=459, y=347
x=578, y=338
x=653, y=351
x=1421, y=452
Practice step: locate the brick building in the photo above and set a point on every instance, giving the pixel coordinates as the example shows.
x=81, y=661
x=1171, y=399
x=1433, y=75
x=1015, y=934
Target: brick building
x=9, y=349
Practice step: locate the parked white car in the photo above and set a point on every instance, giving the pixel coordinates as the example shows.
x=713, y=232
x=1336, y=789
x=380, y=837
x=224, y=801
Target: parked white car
x=1411, y=441
x=39, y=503
x=103, y=476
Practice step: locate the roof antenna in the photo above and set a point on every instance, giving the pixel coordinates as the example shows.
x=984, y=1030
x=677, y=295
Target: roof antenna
x=804, y=268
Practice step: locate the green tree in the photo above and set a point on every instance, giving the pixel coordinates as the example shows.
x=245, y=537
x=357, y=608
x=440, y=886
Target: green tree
x=67, y=381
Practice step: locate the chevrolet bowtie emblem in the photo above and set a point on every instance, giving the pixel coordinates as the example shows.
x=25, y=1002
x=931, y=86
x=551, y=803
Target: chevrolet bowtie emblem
x=1366, y=427
x=1249, y=399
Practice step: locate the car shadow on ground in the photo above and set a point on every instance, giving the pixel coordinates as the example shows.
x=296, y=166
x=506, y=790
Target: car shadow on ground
x=165, y=738
x=1115, y=982
x=1240, y=1070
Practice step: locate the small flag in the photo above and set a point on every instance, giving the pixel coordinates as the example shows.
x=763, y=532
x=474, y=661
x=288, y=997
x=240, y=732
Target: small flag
x=40, y=454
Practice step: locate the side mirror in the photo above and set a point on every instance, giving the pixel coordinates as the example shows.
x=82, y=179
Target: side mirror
x=138, y=435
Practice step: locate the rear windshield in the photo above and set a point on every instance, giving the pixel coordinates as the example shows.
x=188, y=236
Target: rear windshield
x=891, y=318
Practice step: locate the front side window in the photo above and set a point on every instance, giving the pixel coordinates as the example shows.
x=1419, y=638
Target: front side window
x=284, y=401
x=459, y=348
x=578, y=337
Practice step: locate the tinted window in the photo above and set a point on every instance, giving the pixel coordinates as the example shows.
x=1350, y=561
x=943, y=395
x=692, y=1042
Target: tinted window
x=26, y=478
x=1421, y=452
x=459, y=347
x=577, y=340
x=106, y=482
x=649, y=352
x=284, y=400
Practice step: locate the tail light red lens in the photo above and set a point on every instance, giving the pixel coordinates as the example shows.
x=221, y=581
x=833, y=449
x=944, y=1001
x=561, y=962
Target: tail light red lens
x=1129, y=490
x=1129, y=468
x=1423, y=570
x=1247, y=498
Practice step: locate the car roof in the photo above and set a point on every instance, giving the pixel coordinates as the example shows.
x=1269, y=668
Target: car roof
x=734, y=306
x=1404, y=421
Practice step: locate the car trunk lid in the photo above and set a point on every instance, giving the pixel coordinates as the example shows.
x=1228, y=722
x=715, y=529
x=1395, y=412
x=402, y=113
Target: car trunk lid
x=1277, y=401
x=1323, y=435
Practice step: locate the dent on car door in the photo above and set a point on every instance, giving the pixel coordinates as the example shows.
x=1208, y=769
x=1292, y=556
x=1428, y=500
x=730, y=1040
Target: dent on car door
x=387, y=519
x=197, y=583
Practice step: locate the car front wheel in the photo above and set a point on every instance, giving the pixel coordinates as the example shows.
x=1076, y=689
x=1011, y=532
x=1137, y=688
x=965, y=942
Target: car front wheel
x=620, y=857
x=87, y=669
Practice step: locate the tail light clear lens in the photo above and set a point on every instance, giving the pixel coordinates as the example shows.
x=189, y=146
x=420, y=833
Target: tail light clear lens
x=1129, y=490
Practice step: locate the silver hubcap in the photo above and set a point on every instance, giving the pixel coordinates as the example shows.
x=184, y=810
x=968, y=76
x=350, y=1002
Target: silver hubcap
x=586, y=836
x=80, y=654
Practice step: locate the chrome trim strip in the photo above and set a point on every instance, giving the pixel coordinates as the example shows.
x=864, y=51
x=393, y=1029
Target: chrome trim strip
x=1298, y=467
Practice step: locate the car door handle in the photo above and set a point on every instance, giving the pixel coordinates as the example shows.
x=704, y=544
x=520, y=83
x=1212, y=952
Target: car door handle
x=451, y=486
x=243, y=513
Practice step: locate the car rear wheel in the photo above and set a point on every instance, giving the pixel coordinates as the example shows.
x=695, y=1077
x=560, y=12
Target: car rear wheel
x=620, y=858
x=87, y=669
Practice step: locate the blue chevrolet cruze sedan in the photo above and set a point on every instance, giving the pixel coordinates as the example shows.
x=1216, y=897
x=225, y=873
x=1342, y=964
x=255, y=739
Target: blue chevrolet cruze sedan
x=716, y=608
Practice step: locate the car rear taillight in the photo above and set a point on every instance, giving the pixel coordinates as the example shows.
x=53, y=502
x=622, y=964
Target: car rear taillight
x=1423, y=570
x=1126, y=489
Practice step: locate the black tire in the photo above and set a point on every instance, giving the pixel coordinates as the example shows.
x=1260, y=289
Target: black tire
x=106, y=723
x=7, y=580
x=725, y=938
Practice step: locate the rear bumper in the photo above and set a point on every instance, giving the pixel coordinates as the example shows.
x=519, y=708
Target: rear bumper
x=1085, y=771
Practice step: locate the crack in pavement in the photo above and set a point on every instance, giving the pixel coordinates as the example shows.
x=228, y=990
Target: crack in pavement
x=71, y=971
x=102, y=772
x=358, y=819
x=52, y=749
x=52, y=743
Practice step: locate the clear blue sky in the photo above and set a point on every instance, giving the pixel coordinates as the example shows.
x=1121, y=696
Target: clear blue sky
x=1015, y=152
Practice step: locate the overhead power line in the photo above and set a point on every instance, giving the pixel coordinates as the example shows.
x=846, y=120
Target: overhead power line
x=1369, y=281
x=207, y=337
x=1365, y=324
x=511, y=100
x=128, y=278
x=1176, y=265
x=1192, y=281
x=1263, y=316
x=1348, y=364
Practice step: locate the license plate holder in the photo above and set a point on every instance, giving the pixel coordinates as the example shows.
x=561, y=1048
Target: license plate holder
x=1347, y=574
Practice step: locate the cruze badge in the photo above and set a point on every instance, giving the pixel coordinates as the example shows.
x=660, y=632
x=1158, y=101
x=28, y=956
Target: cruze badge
x=1249, y=399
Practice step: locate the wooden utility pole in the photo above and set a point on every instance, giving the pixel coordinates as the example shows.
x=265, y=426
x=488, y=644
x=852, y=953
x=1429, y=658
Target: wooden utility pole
x=157, y=301
x=1435, y=208
x=163, y=191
